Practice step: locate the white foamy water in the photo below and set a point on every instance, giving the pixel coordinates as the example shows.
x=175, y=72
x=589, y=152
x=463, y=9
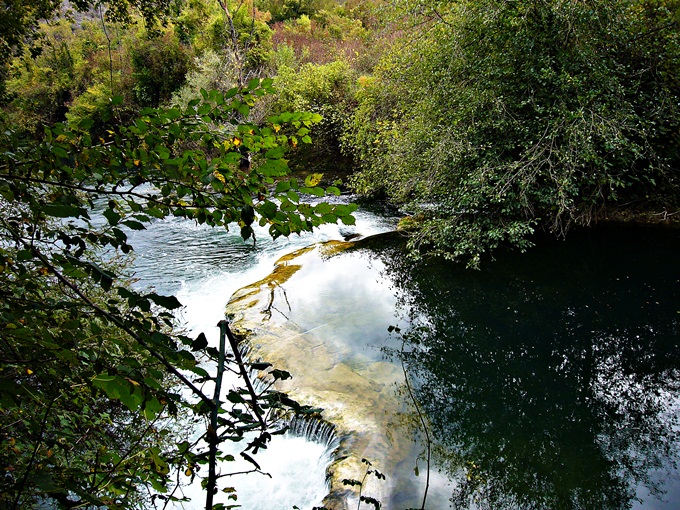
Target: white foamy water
x=203, y=267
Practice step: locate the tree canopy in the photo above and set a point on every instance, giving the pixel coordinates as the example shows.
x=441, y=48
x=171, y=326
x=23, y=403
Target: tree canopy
x=20, y=22
x=93, y=369
x=500, y=118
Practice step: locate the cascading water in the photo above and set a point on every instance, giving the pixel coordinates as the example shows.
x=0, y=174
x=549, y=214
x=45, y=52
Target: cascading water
x=548, y=379
x=203, y=267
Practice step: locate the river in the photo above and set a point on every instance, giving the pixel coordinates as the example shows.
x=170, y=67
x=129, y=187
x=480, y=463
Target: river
x=548, y=379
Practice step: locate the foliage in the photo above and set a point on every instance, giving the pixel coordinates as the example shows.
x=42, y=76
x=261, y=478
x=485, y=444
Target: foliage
x=211, y=71
x=99, y=363
x=282, y=10
x=79, y=69
x=501, y=118
x=239, y=32
x=210, y=45
x=159, y=69
x=61, y=438
x=361, y=483
x=94, y=103
x=20, y=30
x=327, y=90
x=329, y=36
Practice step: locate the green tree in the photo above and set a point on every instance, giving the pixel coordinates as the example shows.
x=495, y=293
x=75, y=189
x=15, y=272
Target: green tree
x=327, y=90
x=20, y=23
x=282, y=10
x=505, y=117
x=93, y=374
x=159, y=69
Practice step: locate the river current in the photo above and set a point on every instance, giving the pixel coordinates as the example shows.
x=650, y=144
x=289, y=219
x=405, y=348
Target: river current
x=203, y=267
x=547, y=380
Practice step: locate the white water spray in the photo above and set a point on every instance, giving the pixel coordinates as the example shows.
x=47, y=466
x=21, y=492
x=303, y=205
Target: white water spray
x=204, y=267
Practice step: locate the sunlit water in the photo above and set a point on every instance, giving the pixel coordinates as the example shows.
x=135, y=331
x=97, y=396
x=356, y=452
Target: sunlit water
x=203, y=266
x=551, y=380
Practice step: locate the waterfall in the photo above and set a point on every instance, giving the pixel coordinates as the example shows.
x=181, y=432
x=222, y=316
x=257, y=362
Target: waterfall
x=314, y=429
x=203, y=267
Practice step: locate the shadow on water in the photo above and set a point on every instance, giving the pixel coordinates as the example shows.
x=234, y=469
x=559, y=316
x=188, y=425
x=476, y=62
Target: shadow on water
x=550, y=379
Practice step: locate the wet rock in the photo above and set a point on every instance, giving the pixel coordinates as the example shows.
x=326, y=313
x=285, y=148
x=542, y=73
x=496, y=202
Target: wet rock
x=358, y=397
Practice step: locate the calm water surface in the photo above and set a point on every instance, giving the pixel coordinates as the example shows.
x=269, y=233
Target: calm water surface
x=550, y=379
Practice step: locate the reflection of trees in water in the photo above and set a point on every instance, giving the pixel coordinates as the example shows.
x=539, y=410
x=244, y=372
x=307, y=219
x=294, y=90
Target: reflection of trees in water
x=551, y=379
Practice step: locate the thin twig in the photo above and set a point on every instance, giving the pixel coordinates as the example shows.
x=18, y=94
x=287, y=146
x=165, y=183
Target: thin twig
x=422, y=421
x=108, y=39
x=24, y=479
x=244, y=374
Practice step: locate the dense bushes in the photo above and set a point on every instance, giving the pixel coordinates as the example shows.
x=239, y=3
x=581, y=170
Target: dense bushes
x=502, y=118
x=159, y=69
x=329, y=91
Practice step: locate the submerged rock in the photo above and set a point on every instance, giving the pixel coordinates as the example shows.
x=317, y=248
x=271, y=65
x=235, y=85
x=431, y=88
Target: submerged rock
x=357, y=390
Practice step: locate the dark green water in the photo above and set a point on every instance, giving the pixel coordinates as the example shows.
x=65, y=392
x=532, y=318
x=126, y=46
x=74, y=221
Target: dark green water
x=551, y=379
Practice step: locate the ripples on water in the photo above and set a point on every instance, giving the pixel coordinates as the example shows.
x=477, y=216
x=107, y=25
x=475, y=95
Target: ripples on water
x=203, y=267
x=499, y=360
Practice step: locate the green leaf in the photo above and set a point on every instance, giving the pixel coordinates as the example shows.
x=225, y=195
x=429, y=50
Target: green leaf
x=134, y=225
x=267, y=209
x=59, y=151
x=344, y=210
x=235, y=398
x=323, y=208
x=200, y=343
x=318, y=192
x=112, y=216
x=64, y=211
x=275, y=153
x=280, y=374
x=86, y=124
x=313, y=179
x=168, y=302
x=282, y=186
x=7, y=193
x=231, y=93
x=247, y=215
x=152, y=408
x=247, y=232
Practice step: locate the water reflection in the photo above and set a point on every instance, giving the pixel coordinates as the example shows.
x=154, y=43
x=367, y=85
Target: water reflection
x=550, y=379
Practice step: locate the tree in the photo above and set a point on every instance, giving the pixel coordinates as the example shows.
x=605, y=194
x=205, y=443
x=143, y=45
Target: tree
x=328, y=90
x=501, y=118
x=159, y=69
x=19, y=23
x=100, y=361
